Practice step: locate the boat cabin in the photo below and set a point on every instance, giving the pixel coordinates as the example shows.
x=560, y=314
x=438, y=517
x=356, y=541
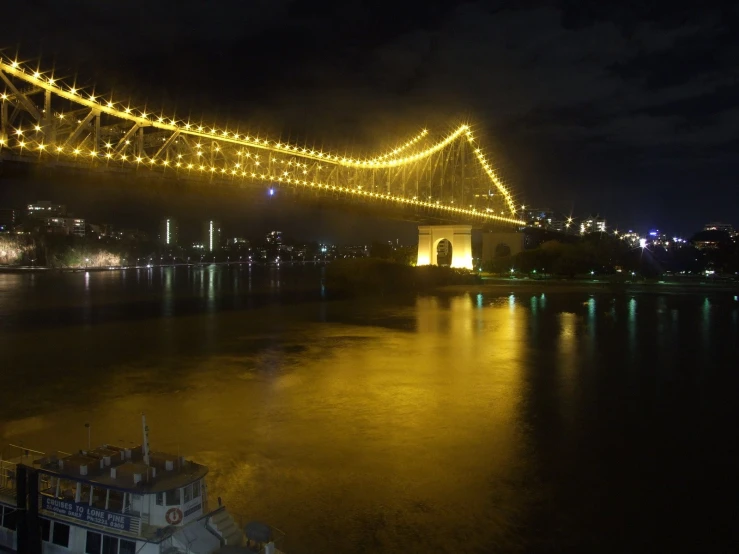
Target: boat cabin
x=108, y=500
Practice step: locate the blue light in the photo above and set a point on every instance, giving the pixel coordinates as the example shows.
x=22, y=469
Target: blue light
x=271, y=192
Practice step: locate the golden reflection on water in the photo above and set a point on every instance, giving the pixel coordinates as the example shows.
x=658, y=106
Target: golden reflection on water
x=324, y=423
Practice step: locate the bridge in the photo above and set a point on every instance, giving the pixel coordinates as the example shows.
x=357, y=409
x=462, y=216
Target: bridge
x=447, y=180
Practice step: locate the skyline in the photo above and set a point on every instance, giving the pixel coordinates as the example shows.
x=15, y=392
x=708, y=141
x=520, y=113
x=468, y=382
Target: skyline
x=264, y=213
x=631, y=184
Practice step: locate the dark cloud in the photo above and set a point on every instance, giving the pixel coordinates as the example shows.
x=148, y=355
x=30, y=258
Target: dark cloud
x=588, y=105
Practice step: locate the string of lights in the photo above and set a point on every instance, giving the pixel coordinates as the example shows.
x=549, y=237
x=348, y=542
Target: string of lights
x=99, y=104
x=403, y=147
x=241, y=172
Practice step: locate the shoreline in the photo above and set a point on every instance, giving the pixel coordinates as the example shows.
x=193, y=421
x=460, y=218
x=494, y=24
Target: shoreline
x=588, y=286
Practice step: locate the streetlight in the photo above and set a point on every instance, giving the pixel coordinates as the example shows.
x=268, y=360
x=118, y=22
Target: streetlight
x=87, y=261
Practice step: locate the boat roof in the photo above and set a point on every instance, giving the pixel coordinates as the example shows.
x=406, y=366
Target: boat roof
x=123, y=469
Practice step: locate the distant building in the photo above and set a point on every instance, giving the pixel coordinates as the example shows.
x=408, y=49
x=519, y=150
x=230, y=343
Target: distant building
x=44, y=208
x=711, y=240
x=239, y=242
x=717, y=226
x=169, y=232
x=100, y=229
x=274, y=237
x=539, y=217
x=65, y=226
x=212, y=235
x=558, y=225
x=632, y=238
x=358, y=251
x=7, y=220
x=130, y=235
x=593, y=224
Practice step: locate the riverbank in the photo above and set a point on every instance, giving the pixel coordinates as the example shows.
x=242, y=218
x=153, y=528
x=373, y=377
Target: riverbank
x=501, y=285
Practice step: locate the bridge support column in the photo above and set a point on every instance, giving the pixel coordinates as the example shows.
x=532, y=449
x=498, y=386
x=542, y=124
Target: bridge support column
x=459, y=236
x=4, y=121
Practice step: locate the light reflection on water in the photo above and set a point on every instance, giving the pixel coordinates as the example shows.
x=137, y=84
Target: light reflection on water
x=430, y=423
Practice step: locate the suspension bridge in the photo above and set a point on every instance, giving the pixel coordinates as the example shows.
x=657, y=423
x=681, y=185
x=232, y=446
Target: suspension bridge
x=447, y=179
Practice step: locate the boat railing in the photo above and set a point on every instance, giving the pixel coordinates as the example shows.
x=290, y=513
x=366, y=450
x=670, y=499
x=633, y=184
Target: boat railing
x=8, y=483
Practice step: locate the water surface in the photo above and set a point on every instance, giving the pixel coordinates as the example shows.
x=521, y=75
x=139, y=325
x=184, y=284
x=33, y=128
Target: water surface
x=475, y=422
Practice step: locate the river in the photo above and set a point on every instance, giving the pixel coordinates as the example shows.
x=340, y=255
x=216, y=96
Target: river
x=485, y=421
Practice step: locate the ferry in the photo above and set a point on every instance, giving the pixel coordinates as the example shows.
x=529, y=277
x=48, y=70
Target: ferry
x=117, y=500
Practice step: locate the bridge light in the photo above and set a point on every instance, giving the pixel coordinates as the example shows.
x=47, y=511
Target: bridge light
x=19, y=132
x=110, y=104
x=128, y=110
x=42, y=146
x=36, y=75
x=59, y=148
x=76, y=151
x=73, y=90
x=38, y=127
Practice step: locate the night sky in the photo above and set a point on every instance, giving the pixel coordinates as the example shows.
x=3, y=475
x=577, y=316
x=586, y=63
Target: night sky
x=627, y=109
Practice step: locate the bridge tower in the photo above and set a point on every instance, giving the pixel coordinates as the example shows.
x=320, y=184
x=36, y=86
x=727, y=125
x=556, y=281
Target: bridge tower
x=459, y=237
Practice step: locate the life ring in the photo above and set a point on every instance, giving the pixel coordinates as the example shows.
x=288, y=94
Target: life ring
x=173, y=516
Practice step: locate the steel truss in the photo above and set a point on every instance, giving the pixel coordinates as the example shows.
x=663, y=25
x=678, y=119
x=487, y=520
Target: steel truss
x=46, y=121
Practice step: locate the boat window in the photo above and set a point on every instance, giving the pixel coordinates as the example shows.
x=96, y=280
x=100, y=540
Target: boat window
x=94, y=542
x=127, y=547
x=173, y=497
x=67, y=489
x=10, y=519
x=196, y=489
x=47, y=484
x=115, y=501
x=45, y=526
x=188, y=493
x=110, y=545
x=98, y=497
x=160, y=499
x=60, y=534
x=85, y=493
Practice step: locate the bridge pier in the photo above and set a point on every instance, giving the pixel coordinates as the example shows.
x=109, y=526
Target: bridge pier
x=459, y=236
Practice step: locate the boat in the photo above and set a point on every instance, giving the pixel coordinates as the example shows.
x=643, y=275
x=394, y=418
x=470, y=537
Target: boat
x=118, y=500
